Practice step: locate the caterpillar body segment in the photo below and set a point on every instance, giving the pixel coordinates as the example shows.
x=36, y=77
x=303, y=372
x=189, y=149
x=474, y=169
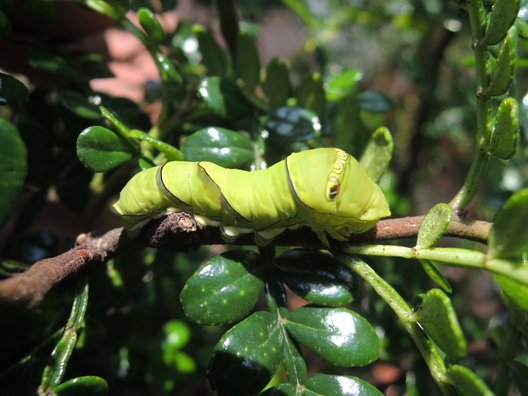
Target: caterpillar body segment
x=325, y=189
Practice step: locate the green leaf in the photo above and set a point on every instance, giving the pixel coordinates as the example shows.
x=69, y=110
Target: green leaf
x=434, y=225
x=466, y=382
x=171, y=153
x=294, y=362
x=339, y=385
x=277, y=85
x=82, y=386
x=378, y=153
x=13, y=167
x=226, y=148
x=287, y=125
x=12, y=91
x=516, y=292
x=114, y=9
x=168, y=72
x=520, y=375
x=503, y=72
x=58, y=361
x=348, y=130
x=338, y=86
x=374, y=102
x=315, y=276
x=224, y=289
x=502, y=17
x=224, y=98
x=247, y=356
x=176, y=334
x=337, y=335
x=247, y=62
x=213, y=57
x=100, y=150
x=228, y=16
x=438, y=317
x=311, y=95
x=281, y=390
x=79, y=104
x=150, y=24
x=506, y=130
x=509, y=234
x=436, y=276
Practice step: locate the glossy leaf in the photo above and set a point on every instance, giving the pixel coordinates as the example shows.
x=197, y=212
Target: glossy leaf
x=226, y=148
x=438, y=317
x=503, y=72
x=506, y=130
x=12, y=91
x=292, y=124
x=311, y=95
x=224, y=289
x=213, y=57
x=374, y=102
x=82, y=386
x=502, y=17
x=294, y=362
x=247, y=62
x=466, y=382
x=150, y=24
x=171, y=153
x=58, y=361
x=281, y=390
x=246, y=357
x=315, y=276
x=436, y=276
x=100, y=150
x=378, y=153
x=13, y=167
x=79, y=104
x=434, y=225
x=168, y=72
x=339, y=385
x=337, y=335
x=509, y=234
x=224, y=98
x=277, y=86
x=114, y=9
x=338, y=86
x=516, y=292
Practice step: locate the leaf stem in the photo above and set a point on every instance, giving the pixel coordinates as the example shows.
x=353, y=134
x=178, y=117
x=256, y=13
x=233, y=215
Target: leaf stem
x=405, y=314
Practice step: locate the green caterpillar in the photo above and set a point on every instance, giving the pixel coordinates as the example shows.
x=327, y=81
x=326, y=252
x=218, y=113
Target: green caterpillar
x=325, y=189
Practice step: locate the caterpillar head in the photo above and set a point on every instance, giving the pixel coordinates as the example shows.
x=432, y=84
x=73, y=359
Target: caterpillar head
x=331, y=182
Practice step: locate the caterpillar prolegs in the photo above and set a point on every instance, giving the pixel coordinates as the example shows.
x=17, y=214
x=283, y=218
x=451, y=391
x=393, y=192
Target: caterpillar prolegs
x=325, y=189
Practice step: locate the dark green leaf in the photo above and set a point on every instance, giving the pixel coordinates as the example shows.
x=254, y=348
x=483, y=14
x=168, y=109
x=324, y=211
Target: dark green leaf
x=247, y=356
x=338, y=86
x=224, y=98
x=79, y=104
x=506, y=130
x=228, y=22
x=287, y=125
x=374, y=102
x=434, y=225
x=437, y=316
x=150, y=24
x=378, y=153
x=315, y=276
x=101, y=150
x=12, y=91
x=436, y=276
x=219, y=145
x=247, y=62
x=520, y=375
x=509, y=233
x=281, y=390
x=82, y=386
x=277, y=85
x=339, y=385
x=311, y=95
x=168, y=72
x=224, y=289
x=348, y=131
x=5, y=25
x=466, y=382
x=337, y=335
x=502, y=17
x=38, y=141
x=213, y=57
x=516, y=292
x=503, y=72
x=13, y=167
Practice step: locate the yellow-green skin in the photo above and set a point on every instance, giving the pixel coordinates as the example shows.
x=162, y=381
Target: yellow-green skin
x=325, y=189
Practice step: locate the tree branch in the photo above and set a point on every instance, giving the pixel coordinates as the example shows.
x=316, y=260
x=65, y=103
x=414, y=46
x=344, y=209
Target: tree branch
x=180, y=232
